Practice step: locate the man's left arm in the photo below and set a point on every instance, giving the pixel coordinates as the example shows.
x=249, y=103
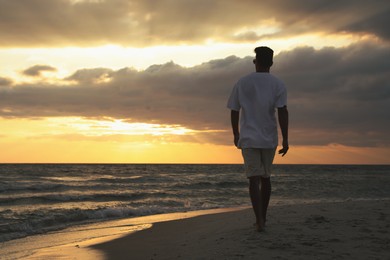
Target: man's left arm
x=283, y=123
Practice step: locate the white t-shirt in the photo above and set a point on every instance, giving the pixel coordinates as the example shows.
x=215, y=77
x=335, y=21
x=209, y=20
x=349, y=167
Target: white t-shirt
x=258, y=95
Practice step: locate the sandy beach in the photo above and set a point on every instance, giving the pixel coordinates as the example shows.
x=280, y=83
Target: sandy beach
x=338, y=230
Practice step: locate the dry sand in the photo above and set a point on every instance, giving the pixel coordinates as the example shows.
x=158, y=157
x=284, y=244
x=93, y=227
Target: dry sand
x=340, y=230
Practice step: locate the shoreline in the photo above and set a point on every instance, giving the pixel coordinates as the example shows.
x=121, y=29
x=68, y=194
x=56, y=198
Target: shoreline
x=82, y=236
x=325, y=230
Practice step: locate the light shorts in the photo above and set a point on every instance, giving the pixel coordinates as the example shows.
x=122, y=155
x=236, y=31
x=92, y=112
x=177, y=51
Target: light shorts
x=258, y=161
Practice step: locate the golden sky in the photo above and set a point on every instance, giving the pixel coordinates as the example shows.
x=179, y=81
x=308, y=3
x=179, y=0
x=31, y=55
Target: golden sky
x=119, y=81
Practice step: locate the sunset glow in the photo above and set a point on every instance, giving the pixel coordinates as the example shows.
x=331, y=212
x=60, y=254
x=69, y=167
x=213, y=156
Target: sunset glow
x=116, y=86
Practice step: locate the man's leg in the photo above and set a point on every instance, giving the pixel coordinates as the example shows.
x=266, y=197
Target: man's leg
x=265, y=196
x=256, y=199
x=267, y=158
x=260, y=199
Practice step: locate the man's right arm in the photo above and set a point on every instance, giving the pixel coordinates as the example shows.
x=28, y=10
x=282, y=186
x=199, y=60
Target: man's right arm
x=283, y=123
x=235, y=118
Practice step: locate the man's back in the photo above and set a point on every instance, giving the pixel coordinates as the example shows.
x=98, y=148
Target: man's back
x=258, y=95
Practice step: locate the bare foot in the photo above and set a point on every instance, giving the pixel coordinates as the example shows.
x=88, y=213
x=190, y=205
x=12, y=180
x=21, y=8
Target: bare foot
x=260, y=226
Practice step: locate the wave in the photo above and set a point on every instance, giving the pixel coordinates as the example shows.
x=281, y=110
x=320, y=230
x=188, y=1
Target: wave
x=31, y=187
x=59, y=184
x=41, y=222
x=28, y=199
x=206, y=185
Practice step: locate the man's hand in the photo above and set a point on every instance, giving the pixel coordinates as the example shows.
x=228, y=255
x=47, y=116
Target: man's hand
x=284, y=149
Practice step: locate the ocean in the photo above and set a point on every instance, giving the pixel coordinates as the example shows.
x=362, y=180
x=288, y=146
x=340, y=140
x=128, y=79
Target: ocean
x=39, y=198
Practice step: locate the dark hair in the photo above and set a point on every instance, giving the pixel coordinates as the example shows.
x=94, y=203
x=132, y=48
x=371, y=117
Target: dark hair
x=264, y=56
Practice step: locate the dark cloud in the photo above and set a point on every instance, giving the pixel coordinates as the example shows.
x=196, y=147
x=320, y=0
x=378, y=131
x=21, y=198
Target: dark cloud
x=5, y=82
x=336, y=95
x=88, y=76
x=142, y=23
x=376, y=24
x=339, y=95
x=36, y=71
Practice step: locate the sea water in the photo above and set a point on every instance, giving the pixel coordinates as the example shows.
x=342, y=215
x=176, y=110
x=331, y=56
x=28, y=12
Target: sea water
x=38, y=198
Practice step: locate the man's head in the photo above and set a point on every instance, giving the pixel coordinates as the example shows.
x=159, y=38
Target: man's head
x=264, y=57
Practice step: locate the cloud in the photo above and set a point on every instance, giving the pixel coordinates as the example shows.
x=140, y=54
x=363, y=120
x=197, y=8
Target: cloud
x=36, y=71
x=376, y=24
x=88, y=76
x=4, y=82
x=141, y=23
x=336, y=95
x=339, y=95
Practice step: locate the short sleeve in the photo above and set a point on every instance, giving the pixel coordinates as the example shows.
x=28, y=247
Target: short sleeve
x=233, y=102
x=281, y=98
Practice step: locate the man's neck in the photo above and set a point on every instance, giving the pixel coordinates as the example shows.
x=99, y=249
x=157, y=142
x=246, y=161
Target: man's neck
x=262, y=69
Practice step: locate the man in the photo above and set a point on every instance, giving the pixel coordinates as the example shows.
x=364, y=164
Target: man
x=257, y=96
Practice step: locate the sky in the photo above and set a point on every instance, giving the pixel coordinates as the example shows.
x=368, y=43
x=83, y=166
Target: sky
x=121, y=81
